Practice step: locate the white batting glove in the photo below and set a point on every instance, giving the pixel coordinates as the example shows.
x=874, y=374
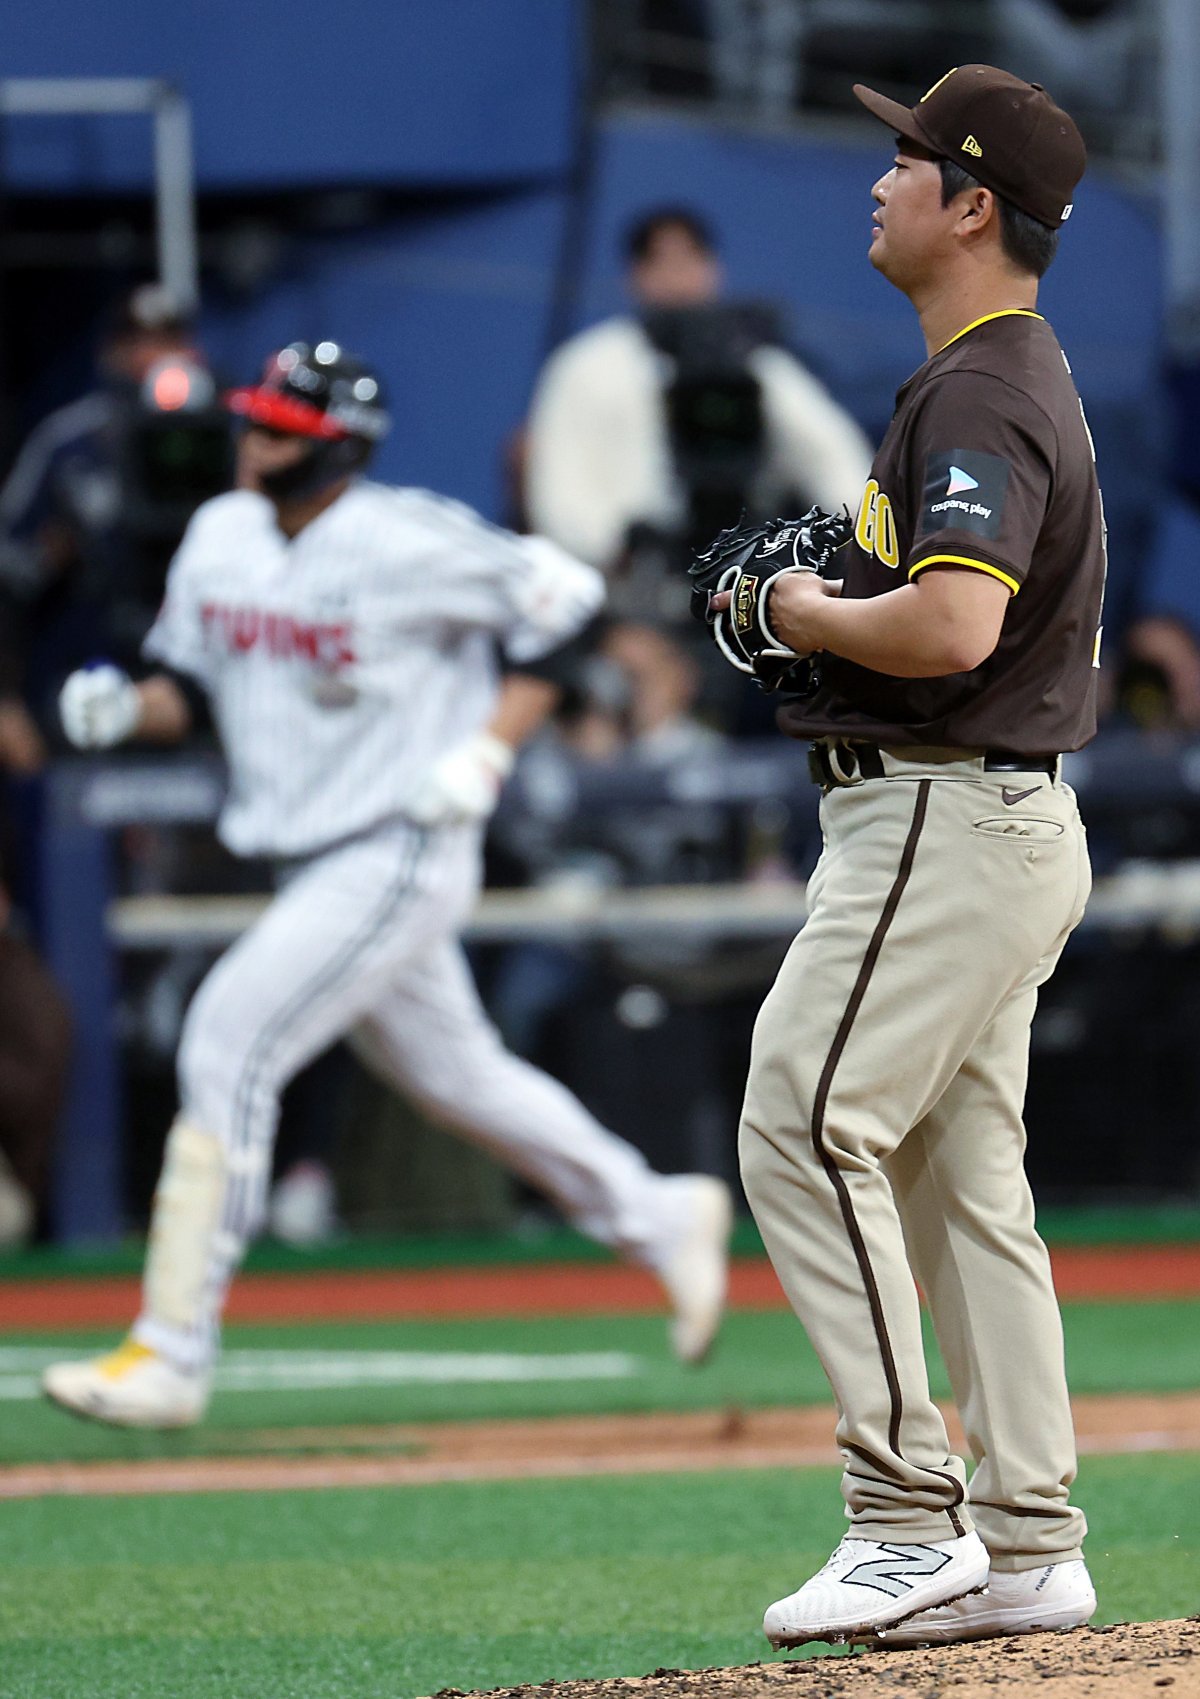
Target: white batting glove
x=99, y=707
x=465, y=784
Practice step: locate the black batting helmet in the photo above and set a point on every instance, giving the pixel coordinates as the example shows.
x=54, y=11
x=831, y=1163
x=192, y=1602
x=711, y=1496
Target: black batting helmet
x=321, y=392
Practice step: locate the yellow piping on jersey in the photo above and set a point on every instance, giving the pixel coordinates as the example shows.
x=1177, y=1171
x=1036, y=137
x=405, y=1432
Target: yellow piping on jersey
x=1004, y=313
x=965, y=560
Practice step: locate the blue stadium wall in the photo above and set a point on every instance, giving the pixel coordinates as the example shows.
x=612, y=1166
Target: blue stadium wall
x=320, y=91
x=469, y=105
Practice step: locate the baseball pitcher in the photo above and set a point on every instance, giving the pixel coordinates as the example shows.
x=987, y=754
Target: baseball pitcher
x=957, y=641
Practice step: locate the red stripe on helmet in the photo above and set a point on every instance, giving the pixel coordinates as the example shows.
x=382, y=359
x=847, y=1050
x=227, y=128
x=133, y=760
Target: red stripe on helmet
x=264, y=406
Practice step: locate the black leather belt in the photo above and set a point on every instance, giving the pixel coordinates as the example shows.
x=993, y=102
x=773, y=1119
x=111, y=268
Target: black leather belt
x=851, y=761
x=1004, y=761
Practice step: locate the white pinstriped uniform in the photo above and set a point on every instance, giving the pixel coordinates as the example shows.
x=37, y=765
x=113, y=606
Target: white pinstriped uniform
x=339, y=666
x=343, y=663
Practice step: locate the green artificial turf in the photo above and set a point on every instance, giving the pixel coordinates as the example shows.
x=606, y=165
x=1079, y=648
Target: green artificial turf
x=762, y=1359
x=366, y=1594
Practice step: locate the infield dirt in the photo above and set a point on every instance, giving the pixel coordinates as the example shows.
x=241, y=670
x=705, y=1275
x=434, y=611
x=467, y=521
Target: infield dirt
x=1146, y=1660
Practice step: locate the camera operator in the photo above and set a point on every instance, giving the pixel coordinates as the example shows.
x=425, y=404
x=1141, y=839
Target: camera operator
x=100, y=495
x=670, y=421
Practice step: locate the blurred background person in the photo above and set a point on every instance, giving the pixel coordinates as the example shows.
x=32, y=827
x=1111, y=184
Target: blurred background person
x=651, y=430
x=100, y=495
x=1154, y=683
x=630, y=723
x=663, y=684
x=35, y=1027
x=35, y=1046
x=90, y=513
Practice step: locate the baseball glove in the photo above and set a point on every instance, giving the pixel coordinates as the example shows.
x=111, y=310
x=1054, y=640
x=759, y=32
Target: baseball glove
x=746, y=560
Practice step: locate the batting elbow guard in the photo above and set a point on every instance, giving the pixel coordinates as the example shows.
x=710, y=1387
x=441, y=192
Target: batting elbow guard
x=562, y=666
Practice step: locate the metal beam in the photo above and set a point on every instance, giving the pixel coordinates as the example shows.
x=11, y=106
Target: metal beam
x=58, y=97
x=1179, y=59
x=174, y=172
x=178, y=264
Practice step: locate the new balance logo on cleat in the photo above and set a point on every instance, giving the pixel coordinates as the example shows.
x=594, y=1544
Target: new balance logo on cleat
x=897, y=1572
x=868, y=1585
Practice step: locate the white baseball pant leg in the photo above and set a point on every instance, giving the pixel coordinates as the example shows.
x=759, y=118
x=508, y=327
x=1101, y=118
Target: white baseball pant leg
x=428, y=1036
x=364, y=933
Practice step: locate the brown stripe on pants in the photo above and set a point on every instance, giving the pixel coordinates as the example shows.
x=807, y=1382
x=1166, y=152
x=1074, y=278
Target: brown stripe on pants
x=882, y=1134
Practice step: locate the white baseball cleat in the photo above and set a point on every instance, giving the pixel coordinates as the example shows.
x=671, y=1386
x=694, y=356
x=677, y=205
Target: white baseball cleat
x=695, y=1273
x=1059, y=1596
x=131, y=1387
x=868, y=1584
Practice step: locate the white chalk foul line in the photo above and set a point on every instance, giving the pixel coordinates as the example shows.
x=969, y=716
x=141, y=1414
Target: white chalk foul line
x=295, y=1371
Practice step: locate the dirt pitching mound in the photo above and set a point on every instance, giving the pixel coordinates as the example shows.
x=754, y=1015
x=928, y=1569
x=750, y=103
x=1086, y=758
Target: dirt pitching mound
x=1144, y=1660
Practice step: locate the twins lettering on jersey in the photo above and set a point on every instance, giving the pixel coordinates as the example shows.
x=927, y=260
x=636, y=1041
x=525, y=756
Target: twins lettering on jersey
x=242, y=631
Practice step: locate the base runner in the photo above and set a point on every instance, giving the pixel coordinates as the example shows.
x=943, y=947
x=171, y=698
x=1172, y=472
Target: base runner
x=345, y=635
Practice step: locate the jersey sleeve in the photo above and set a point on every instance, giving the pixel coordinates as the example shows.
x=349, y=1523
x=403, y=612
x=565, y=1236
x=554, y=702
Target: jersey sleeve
x=530, y=593
x=982, y=459
x=177, y=637
x=552, y=596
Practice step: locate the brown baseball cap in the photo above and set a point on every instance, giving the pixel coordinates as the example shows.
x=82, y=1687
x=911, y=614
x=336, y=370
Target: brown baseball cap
x=1007, y=133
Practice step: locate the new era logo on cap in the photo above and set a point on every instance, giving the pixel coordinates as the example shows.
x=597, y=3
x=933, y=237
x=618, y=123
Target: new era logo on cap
x=1018, y=142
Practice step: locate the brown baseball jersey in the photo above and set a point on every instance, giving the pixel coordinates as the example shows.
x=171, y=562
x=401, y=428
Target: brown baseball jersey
x=987, y=466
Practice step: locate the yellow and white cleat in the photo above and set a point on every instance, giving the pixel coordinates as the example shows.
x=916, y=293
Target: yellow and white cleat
x=696, y=1271
x=131, y=1387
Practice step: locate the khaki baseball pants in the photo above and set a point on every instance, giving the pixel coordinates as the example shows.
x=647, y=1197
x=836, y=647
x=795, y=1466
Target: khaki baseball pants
x=882, y=1140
